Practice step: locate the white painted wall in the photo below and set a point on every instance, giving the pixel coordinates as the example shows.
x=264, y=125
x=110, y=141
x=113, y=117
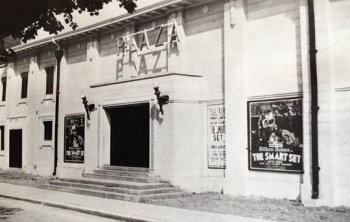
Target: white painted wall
x=239, y=51
x=270, y=39
x=332, y=39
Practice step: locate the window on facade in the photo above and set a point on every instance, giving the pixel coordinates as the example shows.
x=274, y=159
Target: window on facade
x=49, y=80
x=2, y=137
x=47, y=130
x=24, y=90
x=4, y=84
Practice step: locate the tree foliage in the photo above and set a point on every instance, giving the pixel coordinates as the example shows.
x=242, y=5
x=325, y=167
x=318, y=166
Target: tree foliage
x=21, y=19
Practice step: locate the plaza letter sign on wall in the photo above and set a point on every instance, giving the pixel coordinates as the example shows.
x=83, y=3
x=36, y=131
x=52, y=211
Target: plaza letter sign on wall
x=74, y=139
x=136, y=42
x=216, y=136
x=148, y=50
x=275, y=135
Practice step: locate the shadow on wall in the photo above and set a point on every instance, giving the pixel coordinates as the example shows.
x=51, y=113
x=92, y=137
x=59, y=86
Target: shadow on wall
x=146, y=63
x=76, y=52
x=155, y=114
x=203, y=19
x=3, y=73
x=267, y=8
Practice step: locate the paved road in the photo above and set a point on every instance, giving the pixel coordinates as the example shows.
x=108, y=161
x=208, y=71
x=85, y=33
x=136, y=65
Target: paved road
x=20, y=211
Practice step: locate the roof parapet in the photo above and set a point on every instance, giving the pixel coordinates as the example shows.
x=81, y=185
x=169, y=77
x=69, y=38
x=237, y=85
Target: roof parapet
x=156, y=10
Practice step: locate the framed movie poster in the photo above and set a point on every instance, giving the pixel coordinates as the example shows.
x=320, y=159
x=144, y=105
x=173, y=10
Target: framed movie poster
x=216, y=136
x=74, y=129
x=275, y=132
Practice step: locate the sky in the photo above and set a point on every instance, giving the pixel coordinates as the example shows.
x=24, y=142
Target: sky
x=109, y=11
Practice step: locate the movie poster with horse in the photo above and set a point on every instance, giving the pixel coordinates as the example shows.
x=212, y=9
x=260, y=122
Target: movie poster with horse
x=275, y=132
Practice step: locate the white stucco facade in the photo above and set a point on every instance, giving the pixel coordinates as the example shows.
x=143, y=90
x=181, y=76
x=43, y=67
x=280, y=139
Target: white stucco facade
x=224, y=54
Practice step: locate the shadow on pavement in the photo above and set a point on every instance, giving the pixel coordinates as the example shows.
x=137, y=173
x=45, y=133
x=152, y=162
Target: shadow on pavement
x=4, y=212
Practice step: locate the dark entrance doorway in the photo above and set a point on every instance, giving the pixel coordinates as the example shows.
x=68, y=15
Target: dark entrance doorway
x=130, y=136
x=16, y=148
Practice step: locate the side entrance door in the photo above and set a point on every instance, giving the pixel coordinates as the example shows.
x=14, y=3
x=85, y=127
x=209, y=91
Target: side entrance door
x=16, y=148
x=130, y=136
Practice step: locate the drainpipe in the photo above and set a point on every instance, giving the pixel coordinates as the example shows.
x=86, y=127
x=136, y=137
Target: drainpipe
x=314, y=101
x=58, y=55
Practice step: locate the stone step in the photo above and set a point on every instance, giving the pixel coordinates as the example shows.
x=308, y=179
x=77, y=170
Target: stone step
x=124, y=168
x=112, y=195
x=119, y=184
x=103, y=194
x=118, y=190
x=123, y=173
x=122, y=178
x=114, y=182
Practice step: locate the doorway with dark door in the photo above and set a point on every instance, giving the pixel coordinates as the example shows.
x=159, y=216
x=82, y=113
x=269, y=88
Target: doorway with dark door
x=16, y=148
x=130, y=136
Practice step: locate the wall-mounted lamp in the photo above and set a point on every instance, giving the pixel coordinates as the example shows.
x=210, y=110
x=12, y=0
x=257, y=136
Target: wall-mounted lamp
x=88, y=107
x=161, y=99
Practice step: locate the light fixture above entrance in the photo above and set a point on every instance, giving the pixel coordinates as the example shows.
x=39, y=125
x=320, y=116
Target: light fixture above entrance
x=161, y=99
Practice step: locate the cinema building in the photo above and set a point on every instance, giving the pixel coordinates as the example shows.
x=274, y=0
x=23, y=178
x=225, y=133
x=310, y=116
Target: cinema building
x=244, y=97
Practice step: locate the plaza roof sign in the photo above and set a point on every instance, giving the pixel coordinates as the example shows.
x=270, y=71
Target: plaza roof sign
x=139, y=41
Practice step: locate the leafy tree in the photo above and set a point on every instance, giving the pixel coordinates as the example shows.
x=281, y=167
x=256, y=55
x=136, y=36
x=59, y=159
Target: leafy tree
x=22, y=19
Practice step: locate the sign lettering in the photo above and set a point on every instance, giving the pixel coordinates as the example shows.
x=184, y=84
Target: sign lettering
x=216, y=136
x=129, y=42
x=276, y=135
x=74, y=135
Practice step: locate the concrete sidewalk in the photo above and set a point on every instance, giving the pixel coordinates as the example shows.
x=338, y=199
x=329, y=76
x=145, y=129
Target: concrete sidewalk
x=122, y=210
